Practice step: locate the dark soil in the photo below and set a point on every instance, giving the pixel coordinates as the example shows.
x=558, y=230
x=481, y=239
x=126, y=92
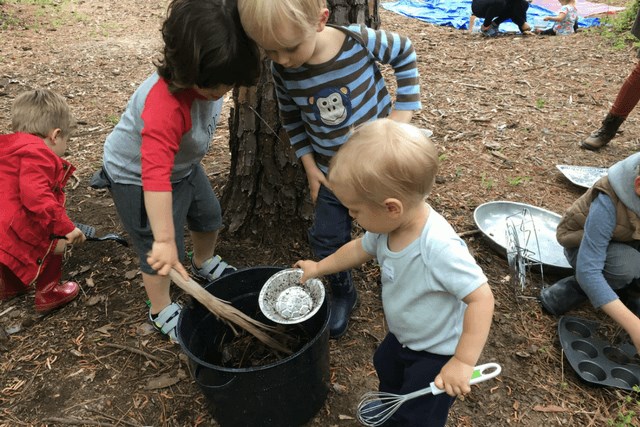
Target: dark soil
x=504, y=112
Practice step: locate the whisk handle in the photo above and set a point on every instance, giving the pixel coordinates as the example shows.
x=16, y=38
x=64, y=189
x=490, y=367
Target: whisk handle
x=479, y=375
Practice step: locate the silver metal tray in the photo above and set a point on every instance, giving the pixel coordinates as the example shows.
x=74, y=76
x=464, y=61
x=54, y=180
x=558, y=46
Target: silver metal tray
x=536, y=225
x=583, y=176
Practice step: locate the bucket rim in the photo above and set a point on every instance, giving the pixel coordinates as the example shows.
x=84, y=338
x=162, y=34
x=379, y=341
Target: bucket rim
x=324, y=329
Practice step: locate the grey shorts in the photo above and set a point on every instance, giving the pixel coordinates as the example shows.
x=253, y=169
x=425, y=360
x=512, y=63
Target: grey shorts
x=194, y=203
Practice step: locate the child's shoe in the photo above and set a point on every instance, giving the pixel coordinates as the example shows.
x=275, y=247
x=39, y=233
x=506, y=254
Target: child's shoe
x=166, y=321
x=562, y=296
x=492, y=31
x=211, y=269
x=54, y=295
x=344, y=298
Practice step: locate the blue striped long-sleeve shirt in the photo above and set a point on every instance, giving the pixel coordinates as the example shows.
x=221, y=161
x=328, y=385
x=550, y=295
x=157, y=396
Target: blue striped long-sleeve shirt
x=320, y=104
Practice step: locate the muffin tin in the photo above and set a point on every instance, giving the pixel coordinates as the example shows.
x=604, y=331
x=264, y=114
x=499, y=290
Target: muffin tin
x=596, y=360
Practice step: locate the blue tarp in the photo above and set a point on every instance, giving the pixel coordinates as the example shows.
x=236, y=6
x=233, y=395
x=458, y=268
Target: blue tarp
x=456, y=13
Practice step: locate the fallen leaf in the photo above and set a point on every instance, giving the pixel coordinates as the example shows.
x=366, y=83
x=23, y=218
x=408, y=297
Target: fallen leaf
x=130, y=274
x=105, y=329
x=339, y=388
x=94, y=300
x=90, y=376
x=550, y=408
x=144, y=329
x=164, y=380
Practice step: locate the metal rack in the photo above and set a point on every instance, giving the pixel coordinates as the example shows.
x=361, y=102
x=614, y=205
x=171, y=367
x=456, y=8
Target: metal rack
x=523, y=249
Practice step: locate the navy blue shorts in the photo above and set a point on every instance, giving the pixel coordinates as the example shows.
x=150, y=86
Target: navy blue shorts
x=401, y=371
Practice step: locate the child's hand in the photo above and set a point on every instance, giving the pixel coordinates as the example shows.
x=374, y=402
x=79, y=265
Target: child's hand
x=636, y=343
x=634, y=333
x=547, y=18
x=75, y=236
x=163, y=257
x=454, y=377
x=316, y=178
x=309, y=269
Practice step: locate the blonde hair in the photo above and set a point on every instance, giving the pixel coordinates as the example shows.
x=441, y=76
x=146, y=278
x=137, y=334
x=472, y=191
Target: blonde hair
x=39, y=112
x=384, y=158
x=261, y=19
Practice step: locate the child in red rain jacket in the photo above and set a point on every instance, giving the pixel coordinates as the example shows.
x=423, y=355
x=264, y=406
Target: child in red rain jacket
x=32, y=179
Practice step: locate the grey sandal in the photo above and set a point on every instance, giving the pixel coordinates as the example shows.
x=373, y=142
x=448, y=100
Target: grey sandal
x=166, y=321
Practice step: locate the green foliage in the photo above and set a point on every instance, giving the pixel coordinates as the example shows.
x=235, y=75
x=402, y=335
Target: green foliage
x=42, y=13
x=519, y=180
x=616, y=28
x=113, y=119
x=627, y=414
x=487, y=183
x=539, y=103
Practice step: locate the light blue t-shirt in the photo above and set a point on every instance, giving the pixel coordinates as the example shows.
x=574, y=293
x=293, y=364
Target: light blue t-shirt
x=423, y=286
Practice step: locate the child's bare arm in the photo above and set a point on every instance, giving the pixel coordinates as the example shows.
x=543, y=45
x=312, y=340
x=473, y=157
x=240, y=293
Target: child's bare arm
x=164, y=253
x=348, y=256
x=456, y=374
x=559, y=17
x=625, y=318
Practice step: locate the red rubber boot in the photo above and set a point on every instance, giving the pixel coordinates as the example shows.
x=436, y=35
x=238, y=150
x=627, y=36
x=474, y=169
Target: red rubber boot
x=50, y=293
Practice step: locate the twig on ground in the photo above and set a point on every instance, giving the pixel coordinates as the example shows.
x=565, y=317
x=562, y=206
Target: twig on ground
x=136, y=351
x=468, y=233
x=77, y=422
x=474, y=86
x=119, y=420
x=8, y=309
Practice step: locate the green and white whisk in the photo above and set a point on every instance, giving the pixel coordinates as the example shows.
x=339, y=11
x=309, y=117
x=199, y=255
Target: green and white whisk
x=376, y=407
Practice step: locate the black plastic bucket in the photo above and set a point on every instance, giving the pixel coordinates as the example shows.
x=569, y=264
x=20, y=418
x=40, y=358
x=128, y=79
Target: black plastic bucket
x=287, y=393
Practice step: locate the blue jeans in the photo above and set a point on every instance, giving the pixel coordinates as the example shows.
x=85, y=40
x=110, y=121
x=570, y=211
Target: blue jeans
x=621, y=266
x=331, y=230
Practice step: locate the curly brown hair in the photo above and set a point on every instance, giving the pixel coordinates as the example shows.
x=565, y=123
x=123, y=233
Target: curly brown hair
x=205, y=46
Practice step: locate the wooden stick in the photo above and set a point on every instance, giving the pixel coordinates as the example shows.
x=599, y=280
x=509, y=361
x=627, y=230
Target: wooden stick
x=227, y=312
x=136, y=351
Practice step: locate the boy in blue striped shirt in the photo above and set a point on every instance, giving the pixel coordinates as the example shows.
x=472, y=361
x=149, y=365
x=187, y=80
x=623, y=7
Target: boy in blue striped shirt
x=328, y=81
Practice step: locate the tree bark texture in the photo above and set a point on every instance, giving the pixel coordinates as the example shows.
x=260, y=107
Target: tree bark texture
x=344, y=12
x=266, y=195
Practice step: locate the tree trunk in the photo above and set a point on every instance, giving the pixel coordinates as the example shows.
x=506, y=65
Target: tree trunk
x=267, y=193
x=344, y=12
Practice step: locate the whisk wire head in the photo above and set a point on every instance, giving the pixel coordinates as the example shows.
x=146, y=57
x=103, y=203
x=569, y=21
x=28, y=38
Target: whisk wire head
x=375, y=408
